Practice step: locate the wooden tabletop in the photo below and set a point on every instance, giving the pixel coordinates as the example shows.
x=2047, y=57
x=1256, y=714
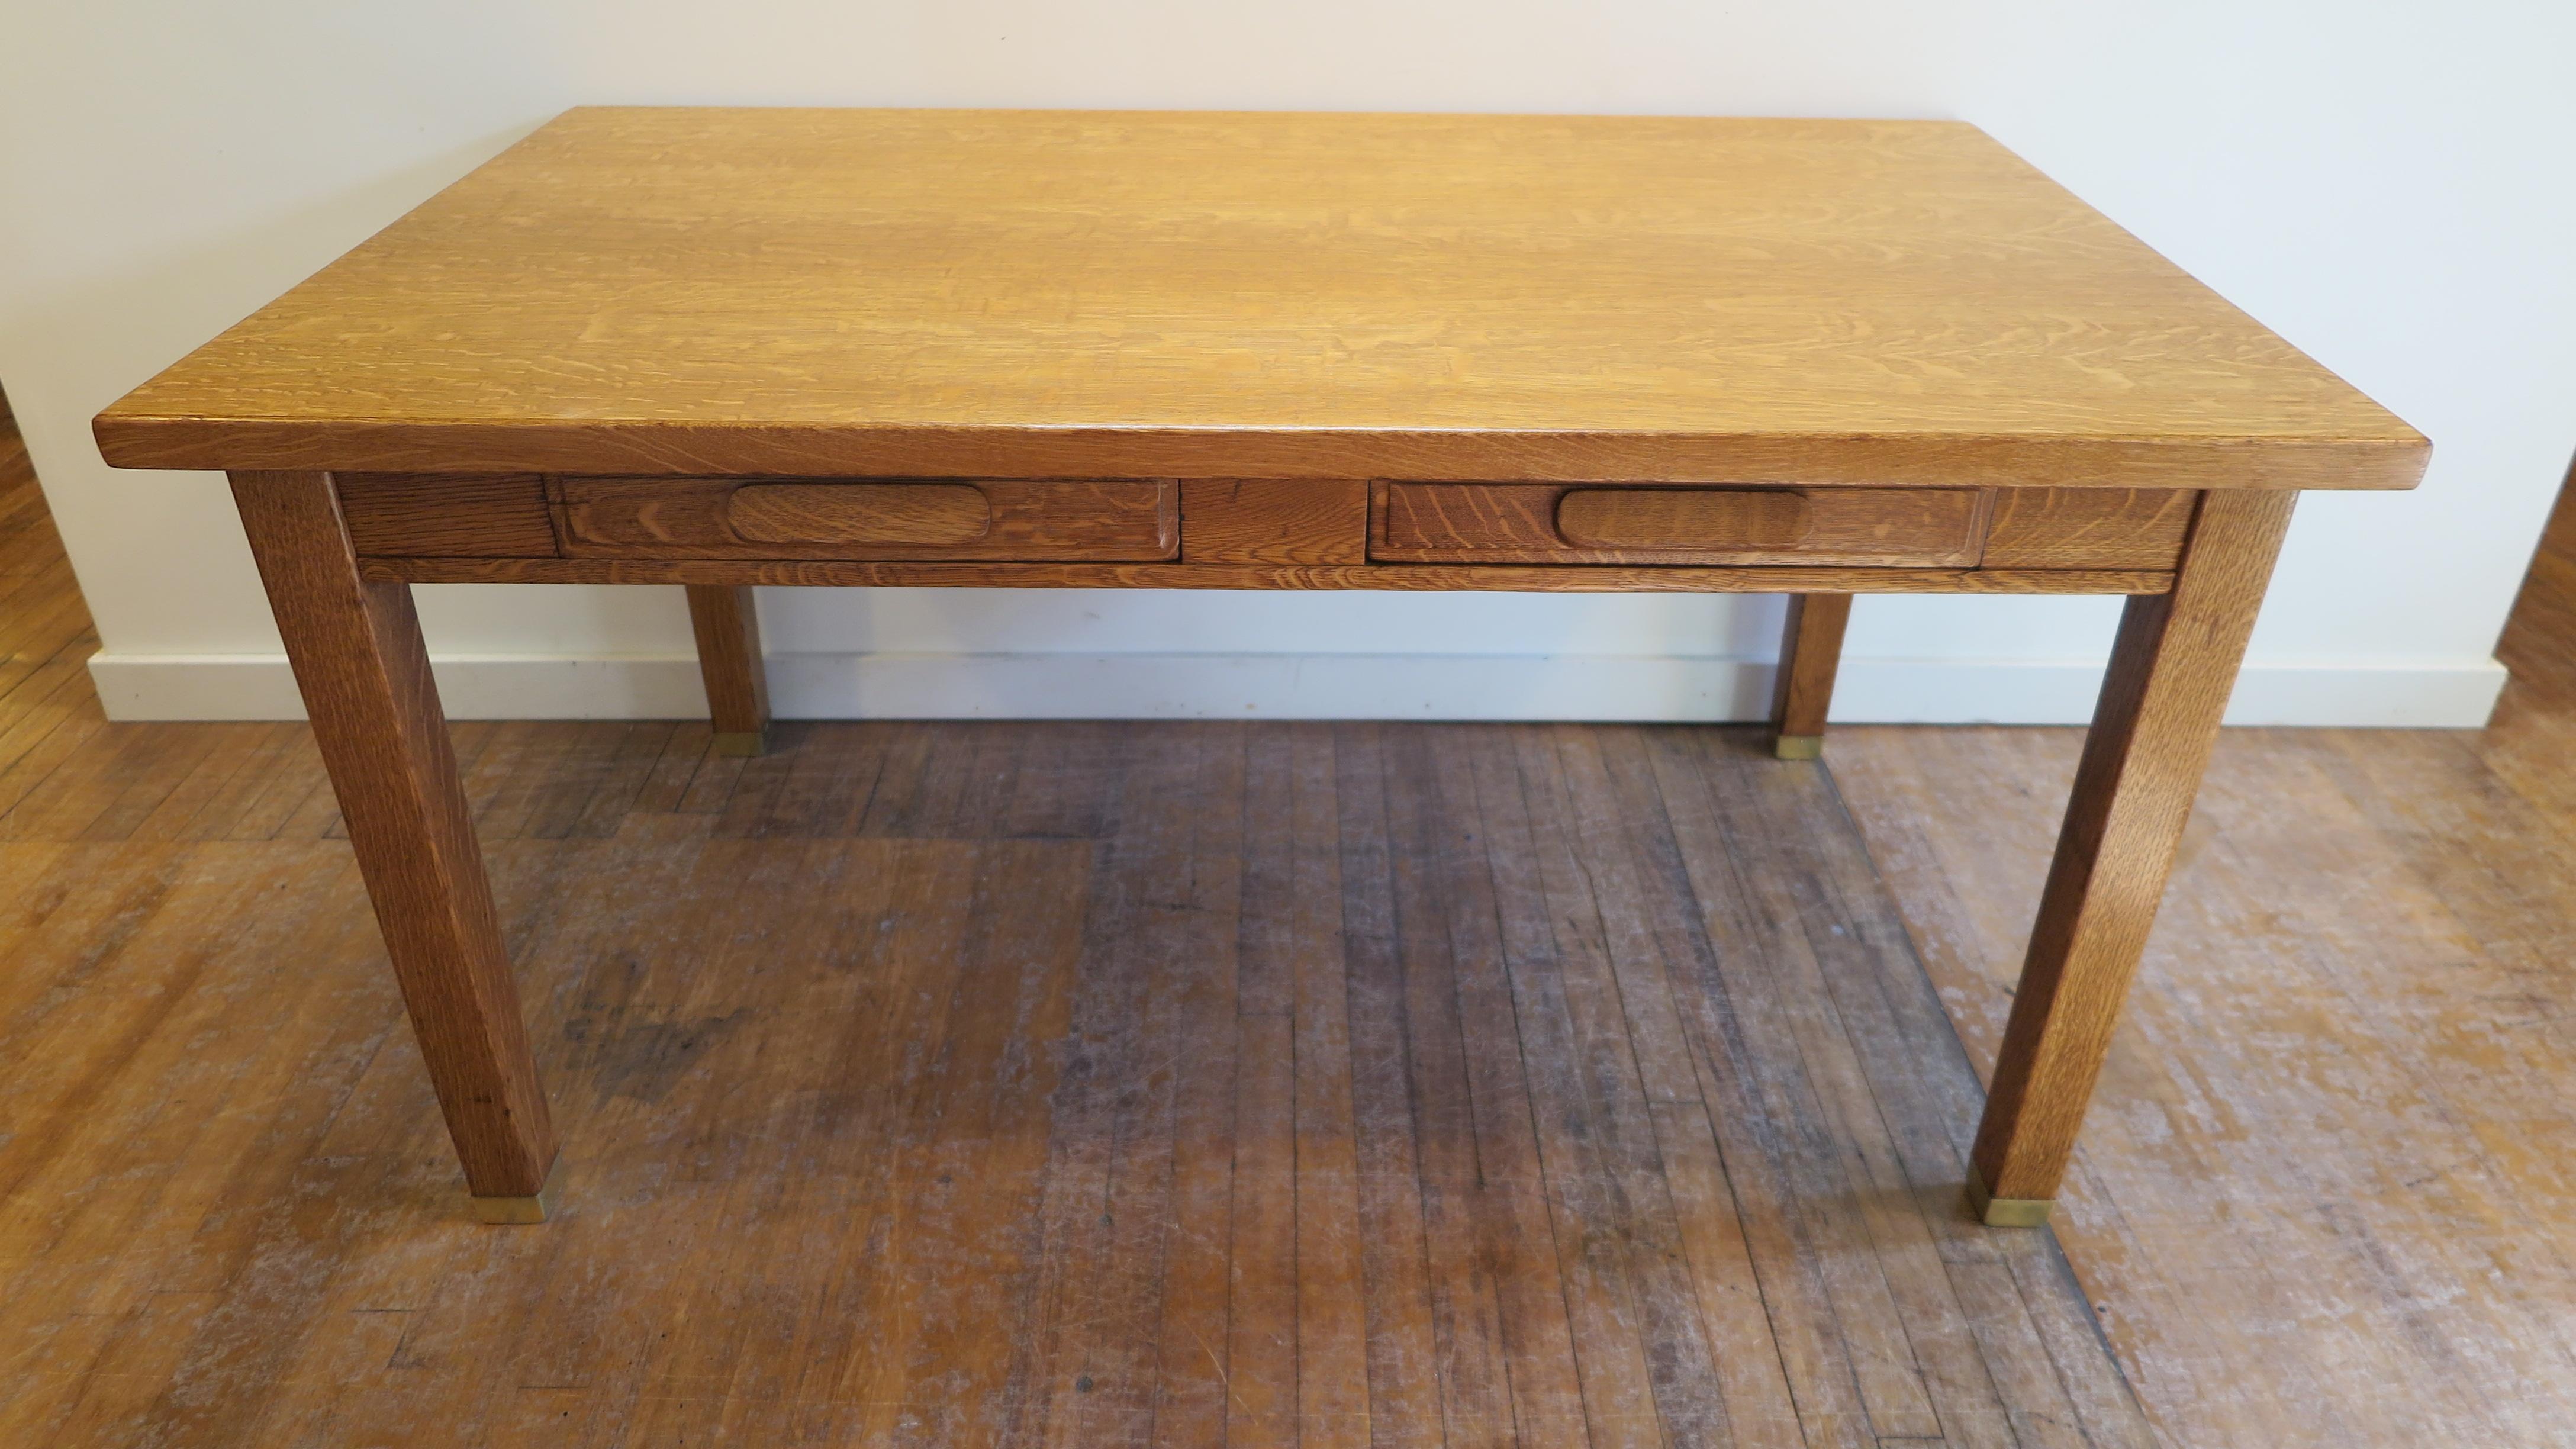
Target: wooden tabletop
x=1032, y=294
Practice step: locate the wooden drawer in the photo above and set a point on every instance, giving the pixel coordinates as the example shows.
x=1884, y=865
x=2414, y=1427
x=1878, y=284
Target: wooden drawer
x=1548, y=523
x=869, y=520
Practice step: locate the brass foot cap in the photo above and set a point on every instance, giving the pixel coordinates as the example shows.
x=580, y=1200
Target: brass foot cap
x=742, y=744
x=1798, y=747
x=2005, y=1212
x=514, y=1210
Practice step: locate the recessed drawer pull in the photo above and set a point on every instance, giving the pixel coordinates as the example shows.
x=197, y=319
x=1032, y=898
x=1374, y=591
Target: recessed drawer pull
x=1000, y=520
x=859, y=513
x=1646, y=523
x=1667, y=518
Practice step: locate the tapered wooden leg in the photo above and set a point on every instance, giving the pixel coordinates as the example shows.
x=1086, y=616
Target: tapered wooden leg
x=357, y=652
x=1810, y=651
x=2171, y=671
x=729, y=657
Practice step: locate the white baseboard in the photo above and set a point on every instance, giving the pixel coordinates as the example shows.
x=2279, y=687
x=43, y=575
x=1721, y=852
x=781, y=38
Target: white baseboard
x=2429, y=693
x=476, y=686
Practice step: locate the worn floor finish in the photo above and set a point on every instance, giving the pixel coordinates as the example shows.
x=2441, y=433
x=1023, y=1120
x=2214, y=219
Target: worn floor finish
x=1014, y=1084
x=2328, y=1189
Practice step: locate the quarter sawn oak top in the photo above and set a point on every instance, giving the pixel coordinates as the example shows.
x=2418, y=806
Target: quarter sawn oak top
x=1035, y=293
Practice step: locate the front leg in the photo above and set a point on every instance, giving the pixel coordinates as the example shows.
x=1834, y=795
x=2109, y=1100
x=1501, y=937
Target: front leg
x=2168, y=683
x=358, y=656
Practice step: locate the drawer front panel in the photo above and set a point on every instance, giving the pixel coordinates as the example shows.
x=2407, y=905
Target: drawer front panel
x=1545, y=523
x=870, y=520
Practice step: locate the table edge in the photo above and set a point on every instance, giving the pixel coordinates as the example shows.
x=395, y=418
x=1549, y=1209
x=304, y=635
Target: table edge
x=2390, y=461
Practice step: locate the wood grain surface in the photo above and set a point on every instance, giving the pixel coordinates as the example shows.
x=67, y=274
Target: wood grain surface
x=1030, y=294
x=726, y=622
x=1534, y=523
x=1518, y=578
x=364, y=672
x=2088, y=528
x=2171, y=671
x=1005, y=520
x=2539, y=642
x=1811, y=654
x=440, y=515
x=928, y=513
x=2328, y=1193
x=1275, y=520
x=1026, y=1083
x=1759, y=520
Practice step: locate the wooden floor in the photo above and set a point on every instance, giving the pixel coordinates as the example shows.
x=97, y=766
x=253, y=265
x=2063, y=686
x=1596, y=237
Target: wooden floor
x=1338, y=1084
x=2327, y=1194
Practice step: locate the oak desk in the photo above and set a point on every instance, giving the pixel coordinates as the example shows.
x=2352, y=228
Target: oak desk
x=1163, y=350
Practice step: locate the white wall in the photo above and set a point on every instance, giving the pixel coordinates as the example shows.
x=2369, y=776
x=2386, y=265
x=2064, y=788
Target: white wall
x=2386, y=183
